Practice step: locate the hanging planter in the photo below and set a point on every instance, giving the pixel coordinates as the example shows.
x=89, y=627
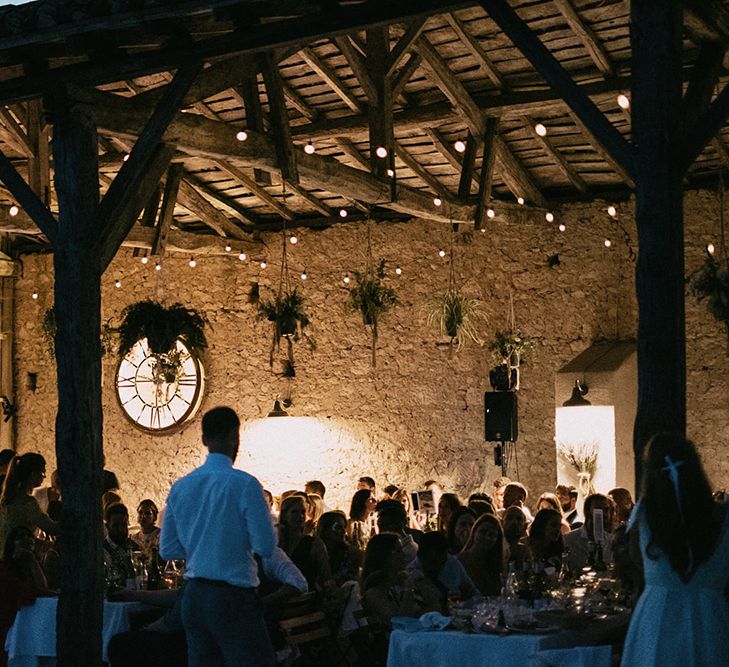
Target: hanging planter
x=370, y=296
x=711, y=282
x=508, y=348
x=287, y=314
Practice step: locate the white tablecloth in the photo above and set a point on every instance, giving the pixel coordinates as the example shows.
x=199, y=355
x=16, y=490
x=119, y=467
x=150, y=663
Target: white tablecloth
x=33, y=635
x=457, y=649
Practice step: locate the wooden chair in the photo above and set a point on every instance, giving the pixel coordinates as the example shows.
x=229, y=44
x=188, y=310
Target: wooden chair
x=311, y=640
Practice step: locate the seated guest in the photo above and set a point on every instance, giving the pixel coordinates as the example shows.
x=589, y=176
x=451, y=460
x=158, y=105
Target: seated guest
x=358, y=527
x=46, y=495
x=479, y=497
x=344, y=560
x=117, y=546
x=426, y=574
x=459, y=528
x=581, y=541
x=551, y=502
x=391, y=518
x=623, y=505
x=306, y=551
x=545, y=537
x=314, y=510
x=148, y=535
x=499, y=488
x=448, y=504
x=484, y=553
x=403, y=497
x=567, y=496
x=18, y=507
x=21, y=580
x=515, y=495
x=481, y=507
x=515, y=532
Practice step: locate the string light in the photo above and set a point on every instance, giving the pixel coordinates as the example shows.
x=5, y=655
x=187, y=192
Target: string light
x=346, y=279
x=342, y=212
x=294, y=239
x=303, y=275
x=14, y=210
x=34, y=295
x=437, y=201
x=398, y=270
x=549, y=216
x=228, y=247
x=607, y=243
x=242, y=257
x=490, y=213
x=126, y=157
x=264, y=265
x=157, y=267
x=242, y=135
x=442, y=252
x=710, y=248
x=540, y=130
x=623, y=102
x=145, y=259
x=381, y=152
x=460, y=146
x=117, y=284
x=520, y=201
x=192, y=263
x=562, y=227
x=612, y=211
x=309, y=149
x=390, y=173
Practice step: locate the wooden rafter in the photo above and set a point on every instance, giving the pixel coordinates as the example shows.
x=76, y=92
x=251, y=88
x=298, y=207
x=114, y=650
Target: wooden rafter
x=255, y=117
x=19, y=137
x=298, y=103
x=405, y=73
x=487, y=169
x=448, y=152
x=419, y=170
x=228, y=204
x=468, y=168
x=39, y=169
x=586, y=36
x=477, y=51
x=706, y=126
x=404, y=44
x=311, y=199
x=167, y=212
x=359, y=67
x=191, y=199
x=348, y=148
x=330, y=77
x=703, y=81
x=380, y=110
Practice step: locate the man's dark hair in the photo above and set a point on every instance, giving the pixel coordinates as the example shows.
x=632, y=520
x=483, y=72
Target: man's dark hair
x=391, y=489
x=317, y=487
x=432, y=542
x=391, y=510
x=116, y=508
x=6, y=455
x=479, y=496
x=218, y=425
x=110, y=481
x=369, y=481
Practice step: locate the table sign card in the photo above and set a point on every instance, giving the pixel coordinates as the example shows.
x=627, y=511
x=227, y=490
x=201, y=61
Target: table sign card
x=598, y=528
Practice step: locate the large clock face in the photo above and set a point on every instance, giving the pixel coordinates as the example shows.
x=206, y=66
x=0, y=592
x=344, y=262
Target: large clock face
x=154, y=395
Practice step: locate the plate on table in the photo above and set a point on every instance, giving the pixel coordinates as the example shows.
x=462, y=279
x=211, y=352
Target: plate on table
x=565, y=618
x=537, y=629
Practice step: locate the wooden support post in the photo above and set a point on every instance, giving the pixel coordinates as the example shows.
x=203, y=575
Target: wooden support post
x=467, y=167
x=656, y=106
x=39, y=172
x=172, y=186
x=78, y=360
x=380, y=109
x=7, y=330
x=255, y=119
x=487, y=171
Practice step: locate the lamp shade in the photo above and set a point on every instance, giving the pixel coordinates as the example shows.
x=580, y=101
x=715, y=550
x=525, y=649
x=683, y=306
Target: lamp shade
x=277, y=411
x=577, y=400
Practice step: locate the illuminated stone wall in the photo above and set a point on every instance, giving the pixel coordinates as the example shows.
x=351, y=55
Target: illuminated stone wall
x=419, y=414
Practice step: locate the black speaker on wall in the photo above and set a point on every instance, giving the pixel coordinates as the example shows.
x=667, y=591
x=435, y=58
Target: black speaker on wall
x=502, y=416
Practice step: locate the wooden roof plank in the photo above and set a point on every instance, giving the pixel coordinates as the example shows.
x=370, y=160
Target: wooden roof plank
x=588, y=38
x=332, y=79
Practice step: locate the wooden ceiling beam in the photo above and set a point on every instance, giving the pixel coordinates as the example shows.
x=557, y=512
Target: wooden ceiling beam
x=39, y=163
x=705, y=128
x=419, y=170
x=706, y=20
x=359, y=67
x=298, y=103
x=285, y=154
x=238, y=175
x=586, y=35
x=404, y=45
x=468, y=168
x=167, y=212
x=348, y=148
x=488, y=160
x=561, y=81
x=405, y=74
x=191, y=199
x=447, y=151
x=477, y=51
x=517, y=178
x=704, y=78
x=313, y=201
x=380, y=111
x=229, y=204
x=18, y=134
x=330, y=77
x=255, y=116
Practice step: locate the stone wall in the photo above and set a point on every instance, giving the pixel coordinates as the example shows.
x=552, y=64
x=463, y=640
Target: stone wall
x=419, y=414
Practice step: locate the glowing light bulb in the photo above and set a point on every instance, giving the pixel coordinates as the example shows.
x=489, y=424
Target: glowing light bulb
x=381, y=152
x=520, y=201
x=490, y=213
x=228, y=247
x=607, y=243
x=192, y=263
x=294, y=239
x=540, y=130
x=34, y=295
x=309, y=149
x=549, y=216
x=460, y=146
x=442, y=252
x=303, y=275
x=117, y=284
x=126, y=157
x=264, y=265
x=612, y=211
x=242, y=135
x=157, y=267
x=14, y=210
x=561, y=227
x=390, y=173
x=145, y=260
x=710, y=248
x=242, y=257
x=398, y=270
x=437, y=201
x=623, y=102
x=342, y=212
x=346, y=279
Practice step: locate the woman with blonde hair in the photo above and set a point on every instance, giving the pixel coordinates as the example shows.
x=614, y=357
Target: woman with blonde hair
x=549, y=501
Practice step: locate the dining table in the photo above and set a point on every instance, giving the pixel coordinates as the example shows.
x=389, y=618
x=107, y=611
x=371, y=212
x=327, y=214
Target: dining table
x=31, y=641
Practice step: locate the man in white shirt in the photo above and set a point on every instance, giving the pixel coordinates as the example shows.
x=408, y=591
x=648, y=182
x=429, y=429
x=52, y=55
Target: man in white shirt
x=216, y=519
x=581, y=542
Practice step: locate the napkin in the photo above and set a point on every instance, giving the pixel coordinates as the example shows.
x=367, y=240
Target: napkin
x=433, y=620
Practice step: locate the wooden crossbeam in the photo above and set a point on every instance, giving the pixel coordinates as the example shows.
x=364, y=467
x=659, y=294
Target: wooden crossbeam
x=561, y=81
x=348, y=148
x=191, y=199
x=586, y=35
x=359, y=67
x=116, y=213
x=419, y=170
x=468, y=167
x=380, y=111
x=39, y=169
x=167, y=212
x=311, y=199
x=704, y=77
x=279, y=116
x=404, y=44
x=405, y=74
x=447, y=151
x=255, y=117
x=227, y=203
x=19, y=135
x=516, y=177
x=555, y=156
x=706, y=20
x=477, y=51
x=487, y=169
x=706, y=126
x=299, y=103
x=331, y=78
x=238, y=175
